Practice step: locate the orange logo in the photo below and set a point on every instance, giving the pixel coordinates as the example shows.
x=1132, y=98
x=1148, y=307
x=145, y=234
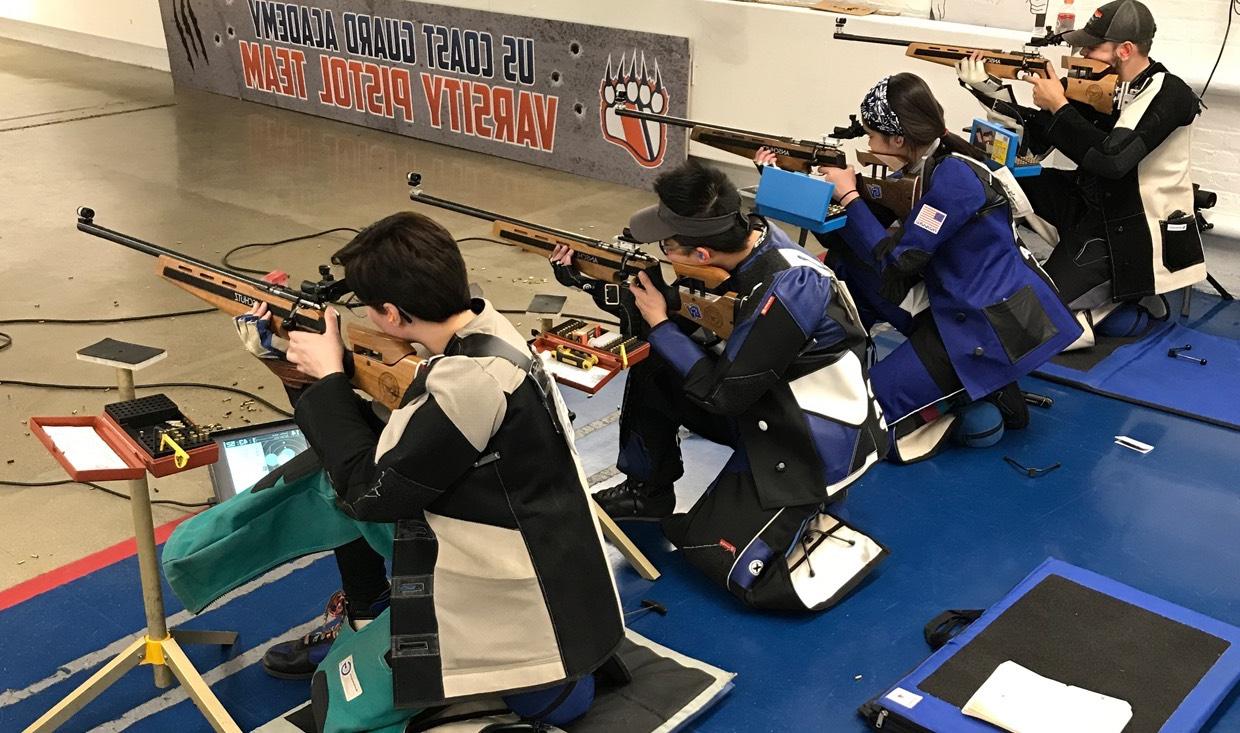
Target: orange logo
x=633, y=86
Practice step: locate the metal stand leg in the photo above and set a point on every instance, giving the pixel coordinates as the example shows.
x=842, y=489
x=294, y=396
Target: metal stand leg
x=1219, y=287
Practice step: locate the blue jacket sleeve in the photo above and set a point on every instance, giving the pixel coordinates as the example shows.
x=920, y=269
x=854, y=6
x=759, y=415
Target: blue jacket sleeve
x=952, y=198
x=780, y=320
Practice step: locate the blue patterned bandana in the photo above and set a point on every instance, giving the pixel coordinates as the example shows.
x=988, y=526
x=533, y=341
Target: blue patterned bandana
x=876, y=112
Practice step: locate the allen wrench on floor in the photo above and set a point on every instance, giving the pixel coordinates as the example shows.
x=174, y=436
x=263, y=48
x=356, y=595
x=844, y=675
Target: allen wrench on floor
x=1030, y=472
x=1175, y=352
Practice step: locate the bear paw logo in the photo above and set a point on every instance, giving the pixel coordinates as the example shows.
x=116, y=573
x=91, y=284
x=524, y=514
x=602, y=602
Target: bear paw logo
x=633, y=86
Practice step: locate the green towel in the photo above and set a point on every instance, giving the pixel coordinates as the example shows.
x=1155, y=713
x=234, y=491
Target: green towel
x=258, y=530
x=356, y=668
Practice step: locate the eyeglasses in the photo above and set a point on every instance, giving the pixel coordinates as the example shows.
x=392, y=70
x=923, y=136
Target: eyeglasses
x=663, y=244
x=355, y=305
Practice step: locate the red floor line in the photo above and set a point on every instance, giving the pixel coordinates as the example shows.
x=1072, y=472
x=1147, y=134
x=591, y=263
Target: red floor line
x=70, y=572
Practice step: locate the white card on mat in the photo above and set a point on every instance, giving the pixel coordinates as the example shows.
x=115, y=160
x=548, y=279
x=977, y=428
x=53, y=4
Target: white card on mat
x=1021, y=701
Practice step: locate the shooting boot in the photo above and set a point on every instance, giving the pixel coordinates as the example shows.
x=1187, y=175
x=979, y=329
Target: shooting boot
x=637, y=500
x=298, y=658
x=1011, y=403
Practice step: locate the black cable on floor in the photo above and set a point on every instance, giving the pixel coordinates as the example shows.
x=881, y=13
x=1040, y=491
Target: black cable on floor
x=169, y=502
x=156, y=385
x=118, y=319
x=6, y=340
x=277, y=243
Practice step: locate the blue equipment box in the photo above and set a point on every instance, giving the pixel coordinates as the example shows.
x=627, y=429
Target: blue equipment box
x=1000, y=145
x=798, y=199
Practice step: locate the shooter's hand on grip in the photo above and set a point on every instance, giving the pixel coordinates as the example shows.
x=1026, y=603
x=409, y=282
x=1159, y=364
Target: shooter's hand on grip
x=256, y=334
x=1048, y=92
x=318, y=354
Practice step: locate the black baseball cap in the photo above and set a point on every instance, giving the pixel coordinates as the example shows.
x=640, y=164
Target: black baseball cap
x=1117, y=21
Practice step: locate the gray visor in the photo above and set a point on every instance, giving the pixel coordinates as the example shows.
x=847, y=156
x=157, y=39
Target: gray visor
x=656, y=223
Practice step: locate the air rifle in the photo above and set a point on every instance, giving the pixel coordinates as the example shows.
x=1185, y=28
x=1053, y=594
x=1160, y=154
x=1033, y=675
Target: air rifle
x=608, y=266
x=379, y=365
x=801, y=156
x=1088, y=81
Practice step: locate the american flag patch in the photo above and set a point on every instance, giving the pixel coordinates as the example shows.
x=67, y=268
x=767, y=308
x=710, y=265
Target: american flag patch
x=930, y=219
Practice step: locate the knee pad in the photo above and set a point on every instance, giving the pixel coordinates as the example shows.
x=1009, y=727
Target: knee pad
x=980, y=425
x=1127, y=320
x=556, y=706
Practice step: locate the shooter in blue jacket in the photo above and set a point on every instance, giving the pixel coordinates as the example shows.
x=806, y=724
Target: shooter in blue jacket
x=977, y=310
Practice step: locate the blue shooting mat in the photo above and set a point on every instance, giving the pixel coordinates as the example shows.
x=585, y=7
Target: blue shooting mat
x=1142, y=373
x=1173, y=665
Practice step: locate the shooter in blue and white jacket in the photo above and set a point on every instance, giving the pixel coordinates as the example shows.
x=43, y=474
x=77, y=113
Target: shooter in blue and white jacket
x=788, y=392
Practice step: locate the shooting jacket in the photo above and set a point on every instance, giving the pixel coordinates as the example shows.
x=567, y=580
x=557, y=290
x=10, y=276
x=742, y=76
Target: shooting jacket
x=794, y=375
x=499, y=579
x=997, y=312
x=1134, y=164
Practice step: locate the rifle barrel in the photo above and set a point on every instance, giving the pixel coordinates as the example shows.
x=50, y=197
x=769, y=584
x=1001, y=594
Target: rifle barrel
x=665, y=119
x=416, y=194
x=86, y=223
x=842, y=36
x=681, y=122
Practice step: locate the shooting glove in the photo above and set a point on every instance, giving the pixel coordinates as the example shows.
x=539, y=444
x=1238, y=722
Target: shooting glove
x=257, y=337
x=973, y=76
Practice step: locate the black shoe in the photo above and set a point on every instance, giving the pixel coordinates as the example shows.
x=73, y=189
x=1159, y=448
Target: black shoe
x=638, y=501
x=297, y=659
x=1011, y=403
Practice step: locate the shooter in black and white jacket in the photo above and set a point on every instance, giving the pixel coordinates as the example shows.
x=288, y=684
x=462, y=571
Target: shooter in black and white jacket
x=1125, y=218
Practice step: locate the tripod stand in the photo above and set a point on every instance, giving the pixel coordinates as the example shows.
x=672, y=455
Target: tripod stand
x=158, y=647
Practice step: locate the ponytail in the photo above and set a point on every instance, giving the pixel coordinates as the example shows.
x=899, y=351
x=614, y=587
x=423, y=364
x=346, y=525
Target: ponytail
x=921, y=115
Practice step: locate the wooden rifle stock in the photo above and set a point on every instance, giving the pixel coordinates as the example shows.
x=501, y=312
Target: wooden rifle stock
x=377, y=364
x=610, y=265
x=609, y=262
x=712, y=312
x=1088, y=81
x=898, y=195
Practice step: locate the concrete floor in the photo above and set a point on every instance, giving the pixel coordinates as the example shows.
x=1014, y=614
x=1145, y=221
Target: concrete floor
x=200, y=173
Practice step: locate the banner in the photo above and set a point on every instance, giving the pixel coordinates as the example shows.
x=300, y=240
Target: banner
x=538, y=91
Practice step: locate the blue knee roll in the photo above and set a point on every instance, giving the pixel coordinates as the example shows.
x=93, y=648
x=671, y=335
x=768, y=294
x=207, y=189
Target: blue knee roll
x=979, y=425
x=558, y=705
x=1129, y=319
